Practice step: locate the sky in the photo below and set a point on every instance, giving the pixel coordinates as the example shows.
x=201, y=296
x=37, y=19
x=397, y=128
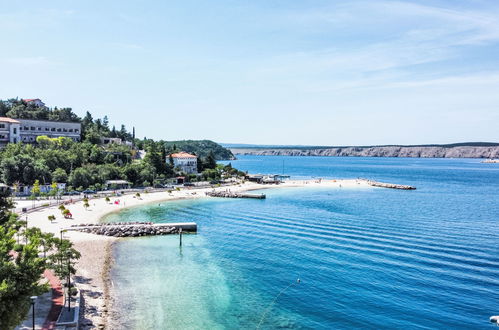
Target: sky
x=364, y=72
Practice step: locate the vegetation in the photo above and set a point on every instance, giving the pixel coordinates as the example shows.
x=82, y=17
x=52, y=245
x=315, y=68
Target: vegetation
x=88, y=164
x=201, y=148
x=21, y=267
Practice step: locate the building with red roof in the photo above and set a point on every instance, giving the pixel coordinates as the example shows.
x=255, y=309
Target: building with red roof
x=185, y=162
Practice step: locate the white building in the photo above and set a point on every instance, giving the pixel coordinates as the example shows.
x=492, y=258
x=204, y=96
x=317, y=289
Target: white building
x=187, y=163
x=9, y=130
x=108, y=140
x=30, y=129
x=27, y=130
x=35, y=102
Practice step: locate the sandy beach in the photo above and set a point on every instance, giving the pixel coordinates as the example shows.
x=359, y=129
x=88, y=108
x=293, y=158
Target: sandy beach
x=96, y=260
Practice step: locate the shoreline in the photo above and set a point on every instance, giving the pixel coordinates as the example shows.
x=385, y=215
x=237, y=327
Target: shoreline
x=93, y=268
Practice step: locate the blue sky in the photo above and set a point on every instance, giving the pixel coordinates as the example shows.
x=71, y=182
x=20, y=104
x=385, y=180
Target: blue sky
x=269, y=72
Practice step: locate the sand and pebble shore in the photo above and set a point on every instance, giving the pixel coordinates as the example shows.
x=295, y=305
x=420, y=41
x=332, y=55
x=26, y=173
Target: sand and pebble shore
x=96, y=250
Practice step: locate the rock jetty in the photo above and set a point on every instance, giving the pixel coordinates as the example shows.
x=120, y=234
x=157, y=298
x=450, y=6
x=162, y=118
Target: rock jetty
x=228, y=194
x=135, y=229
x=389, y=185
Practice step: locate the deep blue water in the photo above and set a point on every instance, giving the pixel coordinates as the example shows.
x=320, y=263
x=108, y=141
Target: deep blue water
x=366, y=258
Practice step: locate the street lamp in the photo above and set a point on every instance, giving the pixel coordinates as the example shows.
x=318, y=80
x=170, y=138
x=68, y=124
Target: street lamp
x=60, y=248
x=26, y=234
x=33, y=299
x=69, y=281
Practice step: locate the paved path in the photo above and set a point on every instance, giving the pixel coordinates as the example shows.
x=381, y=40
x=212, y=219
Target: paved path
x=47, y=306
x=57, y=300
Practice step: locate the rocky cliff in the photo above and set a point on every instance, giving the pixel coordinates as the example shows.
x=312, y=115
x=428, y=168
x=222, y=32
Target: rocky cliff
x=383, y=151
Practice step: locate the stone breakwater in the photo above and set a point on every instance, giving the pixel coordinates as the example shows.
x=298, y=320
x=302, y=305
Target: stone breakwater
x=225, y=194
x=389, y=185
x=135, y=229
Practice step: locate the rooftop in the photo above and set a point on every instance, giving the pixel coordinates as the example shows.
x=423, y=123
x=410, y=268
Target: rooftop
x=9, y=120
x=182, y=154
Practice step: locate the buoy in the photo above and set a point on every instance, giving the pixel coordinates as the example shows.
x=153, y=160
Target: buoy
x=494, y=319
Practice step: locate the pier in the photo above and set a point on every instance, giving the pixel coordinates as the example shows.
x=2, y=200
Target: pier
x=389, y=185
x=135, y=229
x=228, y=194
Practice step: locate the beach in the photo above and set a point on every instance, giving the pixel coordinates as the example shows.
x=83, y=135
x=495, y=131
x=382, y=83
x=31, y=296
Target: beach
x=96, y=250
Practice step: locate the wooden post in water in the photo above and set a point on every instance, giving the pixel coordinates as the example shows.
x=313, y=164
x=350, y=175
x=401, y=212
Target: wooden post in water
x=180, y=232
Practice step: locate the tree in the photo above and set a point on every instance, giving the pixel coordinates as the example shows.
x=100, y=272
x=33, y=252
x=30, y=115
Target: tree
x=35, y=191
x=20, y=272
x=64, y=259
x=210, y=161
x=80, y=177
x=51, y=218
x=54, y=189
x=60, y=175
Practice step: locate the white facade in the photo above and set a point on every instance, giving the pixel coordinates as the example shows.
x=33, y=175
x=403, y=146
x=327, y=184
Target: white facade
x=108, y=140
x=27, y=130
x=9, y=130
x=31, y=129
x=187, y=163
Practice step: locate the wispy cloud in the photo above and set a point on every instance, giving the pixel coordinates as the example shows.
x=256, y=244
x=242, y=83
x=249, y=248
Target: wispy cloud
x=26, y=61
x=375, y=43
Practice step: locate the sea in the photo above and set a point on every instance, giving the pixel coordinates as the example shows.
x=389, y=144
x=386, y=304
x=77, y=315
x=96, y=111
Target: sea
x=322, y=258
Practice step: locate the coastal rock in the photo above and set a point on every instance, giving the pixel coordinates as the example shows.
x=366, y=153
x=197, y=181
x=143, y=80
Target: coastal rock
x=490, y=152
x=134, y=229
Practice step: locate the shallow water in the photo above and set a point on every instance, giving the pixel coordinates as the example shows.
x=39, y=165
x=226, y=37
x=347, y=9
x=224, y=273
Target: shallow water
x=370, y=257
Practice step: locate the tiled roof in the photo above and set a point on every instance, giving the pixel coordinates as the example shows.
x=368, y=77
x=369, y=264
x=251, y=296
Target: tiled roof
x=182, y=154
x=9, y=120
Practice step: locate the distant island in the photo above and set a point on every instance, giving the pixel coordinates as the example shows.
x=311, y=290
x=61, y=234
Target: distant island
x=489, y=150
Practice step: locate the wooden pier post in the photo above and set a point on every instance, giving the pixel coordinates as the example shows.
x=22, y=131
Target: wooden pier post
x=180, y=232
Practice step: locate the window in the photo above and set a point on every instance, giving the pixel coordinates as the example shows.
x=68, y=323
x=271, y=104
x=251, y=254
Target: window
x=64, y=130
x=71, y=130
x=2, y=125
x=32, y=128
x=76, y=130
x=14, y=130
x=52, y=129
x=47, y=129
x=26, y=128
x=39, y=128
x=58, y=130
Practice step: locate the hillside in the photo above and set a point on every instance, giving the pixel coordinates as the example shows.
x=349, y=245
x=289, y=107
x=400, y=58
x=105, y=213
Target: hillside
x=459, y=150
x=201, y=148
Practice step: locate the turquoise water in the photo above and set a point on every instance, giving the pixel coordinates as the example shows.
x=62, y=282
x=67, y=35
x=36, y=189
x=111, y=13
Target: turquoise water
x=366, y=258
